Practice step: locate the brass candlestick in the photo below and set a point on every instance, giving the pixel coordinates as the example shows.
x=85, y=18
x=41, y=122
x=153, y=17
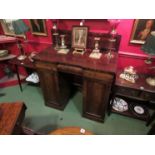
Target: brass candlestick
x=96, y=52
x=63, y=47
x=109, y=55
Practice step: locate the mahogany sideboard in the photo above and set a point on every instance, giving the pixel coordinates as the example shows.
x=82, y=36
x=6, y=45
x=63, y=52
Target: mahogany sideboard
x=97, y=77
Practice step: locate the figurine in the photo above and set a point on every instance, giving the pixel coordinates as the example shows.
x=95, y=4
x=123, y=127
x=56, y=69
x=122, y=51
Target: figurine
x=129, y=74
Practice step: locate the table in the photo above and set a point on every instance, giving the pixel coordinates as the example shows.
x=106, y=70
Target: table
x=12, y=115
x=138, y=93
x=70, y=131
x=57, y=73
x=24, y=63
x=8, y=57
x=7, y=39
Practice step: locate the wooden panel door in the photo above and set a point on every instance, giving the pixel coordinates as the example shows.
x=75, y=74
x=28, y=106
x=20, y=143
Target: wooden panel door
x=55, y=89
x=96, y=91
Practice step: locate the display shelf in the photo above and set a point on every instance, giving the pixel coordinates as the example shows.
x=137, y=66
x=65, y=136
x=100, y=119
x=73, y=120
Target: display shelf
x=138, y=93
x=132, y=114
x=132, y=97
x=7, y=39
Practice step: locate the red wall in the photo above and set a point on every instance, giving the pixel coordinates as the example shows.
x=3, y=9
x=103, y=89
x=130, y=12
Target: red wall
x=101, y=25
x=130, y=54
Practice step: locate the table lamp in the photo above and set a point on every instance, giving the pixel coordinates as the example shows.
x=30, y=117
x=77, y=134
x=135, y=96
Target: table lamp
x=20, y=28
x=149, y=48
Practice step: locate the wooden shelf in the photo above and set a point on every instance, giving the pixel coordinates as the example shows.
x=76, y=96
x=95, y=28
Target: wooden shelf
x=129, y=114
x=132, y=114
x=7, y=39
x=131, y=97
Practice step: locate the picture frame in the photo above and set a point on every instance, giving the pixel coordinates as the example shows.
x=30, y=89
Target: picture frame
x=79, y=37
x=8, y=28
x=141, y=29
x=38, y=27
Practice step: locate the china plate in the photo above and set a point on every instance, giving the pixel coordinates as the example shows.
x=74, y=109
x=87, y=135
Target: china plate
x=139, y=110
x=120, y=105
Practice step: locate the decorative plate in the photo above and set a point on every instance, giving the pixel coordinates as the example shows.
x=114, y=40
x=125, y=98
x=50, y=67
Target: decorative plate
x=139, y=110
x=120, y=105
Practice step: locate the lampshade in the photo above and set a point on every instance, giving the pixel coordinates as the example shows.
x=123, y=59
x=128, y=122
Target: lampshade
x=149, y=46
x=19, y=26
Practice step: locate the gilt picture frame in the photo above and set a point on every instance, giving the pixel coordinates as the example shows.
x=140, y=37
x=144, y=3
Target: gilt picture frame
x=38, y=27
x=141, y=29
x=79, y=37
x=8, y=28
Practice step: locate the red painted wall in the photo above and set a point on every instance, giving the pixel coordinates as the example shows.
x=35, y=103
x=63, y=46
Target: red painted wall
x=101, y=25
x=129, y=54
x=136, y=58
x=124, y=29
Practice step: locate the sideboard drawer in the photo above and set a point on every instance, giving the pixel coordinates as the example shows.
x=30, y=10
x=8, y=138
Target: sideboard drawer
x=70, y=69
x=135, y=93
x=148, y=96
x=47, y=66
x=127, y=91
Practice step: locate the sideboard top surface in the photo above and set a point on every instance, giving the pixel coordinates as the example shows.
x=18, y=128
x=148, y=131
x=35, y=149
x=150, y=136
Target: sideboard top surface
x=50, y=55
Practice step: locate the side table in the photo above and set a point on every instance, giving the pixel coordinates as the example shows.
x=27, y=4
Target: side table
x=24, y=63
x=138, y=93
x=71, y=131
x=11, y=117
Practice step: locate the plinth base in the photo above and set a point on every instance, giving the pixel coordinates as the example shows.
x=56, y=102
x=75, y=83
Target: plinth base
x=95, y=55
x=63, y=51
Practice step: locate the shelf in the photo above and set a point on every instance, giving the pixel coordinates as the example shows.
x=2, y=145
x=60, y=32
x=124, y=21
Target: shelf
x=129, y=114
x=7, y=39
x=132, y=114
x=131, y=97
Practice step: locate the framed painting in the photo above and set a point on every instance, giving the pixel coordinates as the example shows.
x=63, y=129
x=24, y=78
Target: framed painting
x=141, y=29
x=79, y=37
x=38, y=27
x=8, y=27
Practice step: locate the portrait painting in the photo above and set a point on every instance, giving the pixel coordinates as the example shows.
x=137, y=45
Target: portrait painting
x=38, y=27
x=141, y=30
x=79, y=37
x=8, y=28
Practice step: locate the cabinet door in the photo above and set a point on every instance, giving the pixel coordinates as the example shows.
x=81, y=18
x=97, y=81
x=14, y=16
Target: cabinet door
x=55, y=89
x=97, y=87
x=48, y=81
